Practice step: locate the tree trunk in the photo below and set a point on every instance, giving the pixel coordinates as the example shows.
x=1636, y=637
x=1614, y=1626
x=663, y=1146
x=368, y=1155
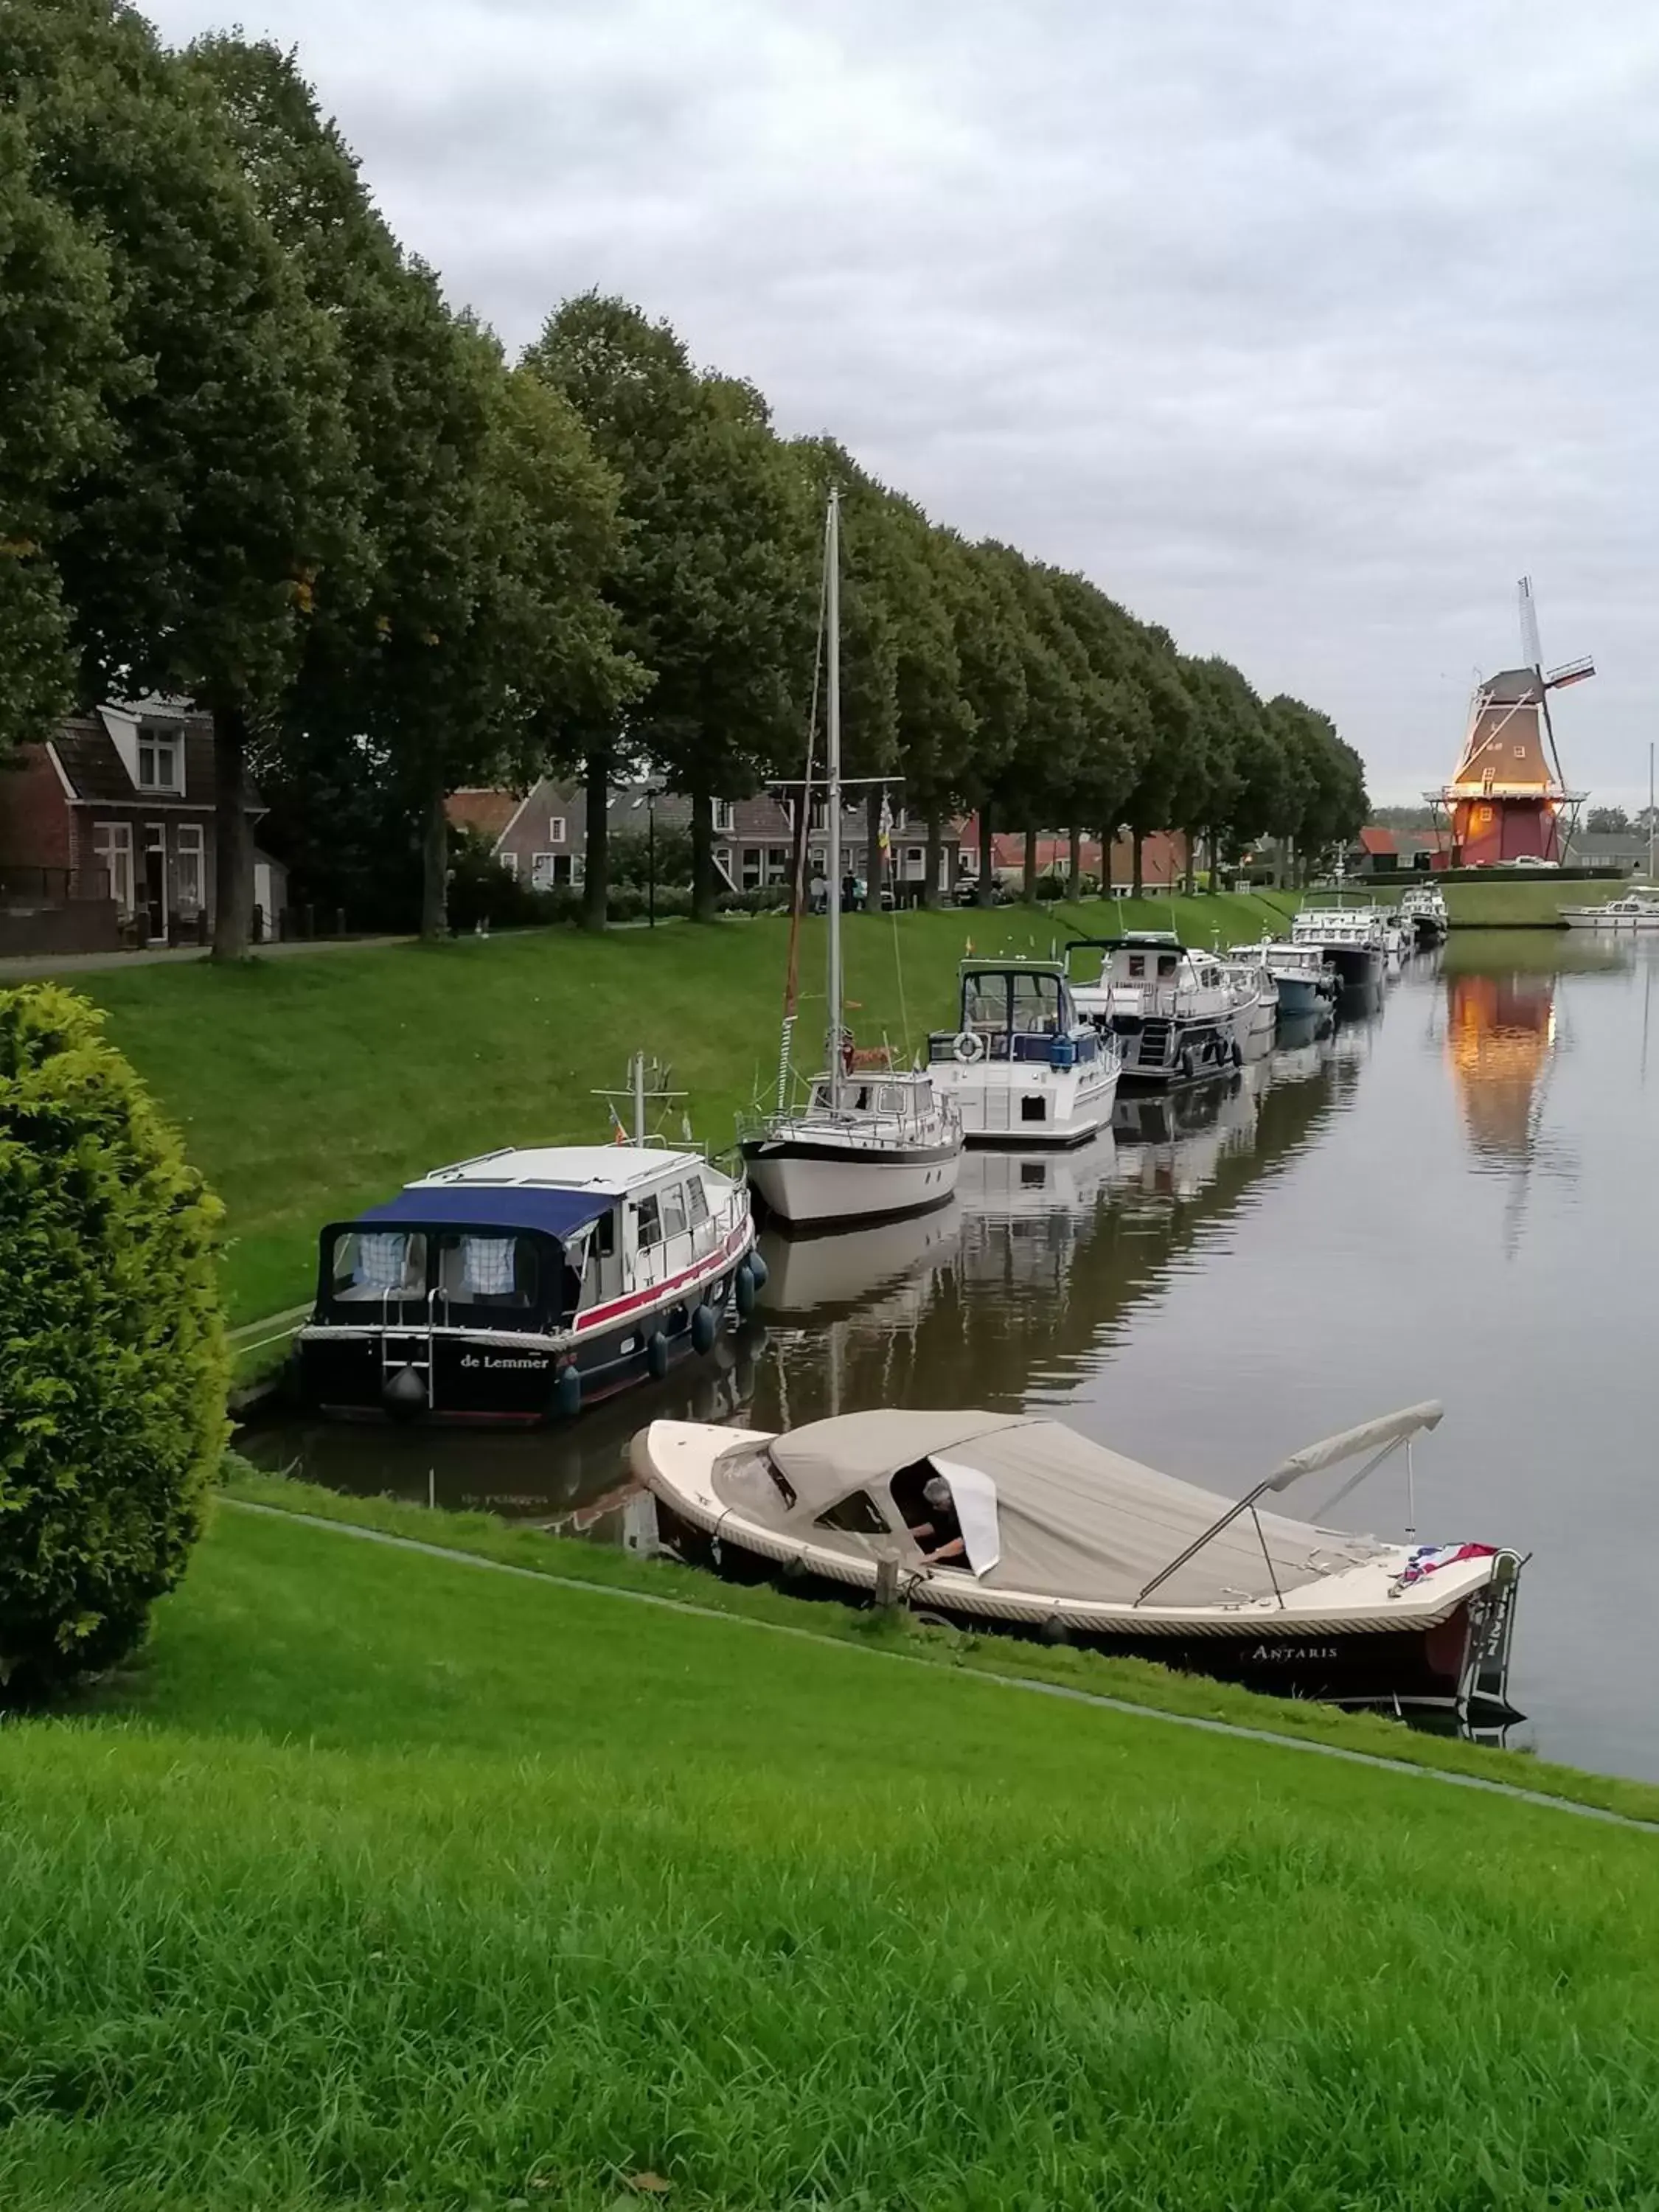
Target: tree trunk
x=1029, y=891
x=1106, y=863
x=434, y=866
x=1137, y=881
x=596, y=866
x=1074, y=874
x=704, y=896
x=232, y=908
x=872, y=850
x=935, y=858
x=985, y=890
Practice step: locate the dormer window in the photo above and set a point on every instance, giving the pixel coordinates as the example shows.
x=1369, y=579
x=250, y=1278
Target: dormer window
x=160, y=760
x=726, y=818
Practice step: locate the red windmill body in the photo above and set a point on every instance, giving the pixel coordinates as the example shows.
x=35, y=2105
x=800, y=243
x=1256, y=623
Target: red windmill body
x=1507, y=798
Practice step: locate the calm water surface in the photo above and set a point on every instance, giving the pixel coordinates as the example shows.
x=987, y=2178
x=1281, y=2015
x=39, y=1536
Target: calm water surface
x=1454, y=1197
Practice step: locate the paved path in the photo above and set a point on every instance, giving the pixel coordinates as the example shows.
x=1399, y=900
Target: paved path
x=1510, y=1790
x=24, y=967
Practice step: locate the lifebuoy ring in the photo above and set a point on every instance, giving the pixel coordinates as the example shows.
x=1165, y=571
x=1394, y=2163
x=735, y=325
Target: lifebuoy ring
x=969, y=1047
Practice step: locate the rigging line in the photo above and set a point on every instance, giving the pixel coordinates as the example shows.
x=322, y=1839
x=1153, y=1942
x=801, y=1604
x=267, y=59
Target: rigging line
x=791, y=972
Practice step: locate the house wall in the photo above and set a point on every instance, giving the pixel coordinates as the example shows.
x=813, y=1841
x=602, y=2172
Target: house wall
x=34, y=814
x=528, y=848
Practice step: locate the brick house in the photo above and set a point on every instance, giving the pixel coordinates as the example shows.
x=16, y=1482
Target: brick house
x=116, y=813
x=1163, y=856
x=542, y=837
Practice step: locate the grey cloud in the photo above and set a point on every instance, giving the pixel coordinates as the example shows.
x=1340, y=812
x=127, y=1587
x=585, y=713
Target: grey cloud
x=1304, y=329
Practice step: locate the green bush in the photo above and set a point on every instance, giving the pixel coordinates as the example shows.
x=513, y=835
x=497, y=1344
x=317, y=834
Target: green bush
x=112, y=1361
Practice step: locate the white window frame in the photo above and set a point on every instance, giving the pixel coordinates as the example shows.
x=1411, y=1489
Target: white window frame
x=111, y=846
x=726, y=817
x=191, y=865
x=541, y=879
x=556, y=829
x=723, y=858
x=578, y=871
x=156, y=745
x=510, y=862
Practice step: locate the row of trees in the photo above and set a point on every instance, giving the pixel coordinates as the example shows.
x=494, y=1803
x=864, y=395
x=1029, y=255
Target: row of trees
x=250, y=456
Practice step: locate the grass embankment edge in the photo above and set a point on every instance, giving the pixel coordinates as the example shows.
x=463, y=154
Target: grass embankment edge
x=1156, y=1690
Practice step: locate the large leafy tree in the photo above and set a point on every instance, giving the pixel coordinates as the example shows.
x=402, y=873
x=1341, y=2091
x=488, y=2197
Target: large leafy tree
x=470, y=631
x=713, y=579
x=1117, y=715
x=59, y=363
x=191, y=549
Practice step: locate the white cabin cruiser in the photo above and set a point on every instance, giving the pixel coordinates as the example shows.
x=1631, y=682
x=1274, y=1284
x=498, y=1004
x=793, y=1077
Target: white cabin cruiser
x=521, y=1286
x=1635, y=910
x=1423, y=911
x=1350, y=939
x=1024, y=1067
x=866, y=1146
x=1306, y=980
x=1172, y=1010
x=1256, y=992
x=1002, y=1521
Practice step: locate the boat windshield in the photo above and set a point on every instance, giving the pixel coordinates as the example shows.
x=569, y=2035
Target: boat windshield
x=480, y=1276
x=1029, y=1004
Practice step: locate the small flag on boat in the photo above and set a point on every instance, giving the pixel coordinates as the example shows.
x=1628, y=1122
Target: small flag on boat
x=885, y=831
x=618, y=1133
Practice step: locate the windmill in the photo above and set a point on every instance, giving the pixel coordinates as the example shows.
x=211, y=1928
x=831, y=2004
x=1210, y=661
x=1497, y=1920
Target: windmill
x=1508, y=794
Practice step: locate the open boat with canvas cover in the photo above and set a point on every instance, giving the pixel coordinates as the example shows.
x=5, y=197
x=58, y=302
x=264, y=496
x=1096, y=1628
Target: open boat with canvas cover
x=1004, y=1522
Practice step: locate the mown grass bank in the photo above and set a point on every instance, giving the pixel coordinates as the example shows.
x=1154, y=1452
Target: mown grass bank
x=307, y=1087
x=387, y=1882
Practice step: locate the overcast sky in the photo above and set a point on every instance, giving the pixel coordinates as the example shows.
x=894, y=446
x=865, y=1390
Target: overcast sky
x=1305, y=328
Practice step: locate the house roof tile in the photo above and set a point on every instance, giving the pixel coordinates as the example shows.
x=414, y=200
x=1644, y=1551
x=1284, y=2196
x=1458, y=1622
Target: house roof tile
x=97, y=775
x=488, y=812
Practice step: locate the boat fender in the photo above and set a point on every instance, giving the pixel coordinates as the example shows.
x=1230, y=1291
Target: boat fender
x=969, y=1047
x=745, y=1281
x=1054, y=1631
x=656, y=1355
x=1238, y=1054
x=405, y=1396
x=1184, y=1065
x=567, y=1391
x=704, y=1320
x=759, y=1270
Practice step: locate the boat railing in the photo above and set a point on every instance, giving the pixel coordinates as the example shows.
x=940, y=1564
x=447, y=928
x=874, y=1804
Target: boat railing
x=655, y=1263
x=1380, y=1438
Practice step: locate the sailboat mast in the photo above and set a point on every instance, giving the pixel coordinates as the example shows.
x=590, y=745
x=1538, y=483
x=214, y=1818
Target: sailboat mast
x=832, y=776
x=1653, y=817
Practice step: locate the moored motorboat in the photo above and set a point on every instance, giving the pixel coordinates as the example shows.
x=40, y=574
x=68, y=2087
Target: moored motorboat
x=521, y=1286
x=1022, y=1067
x=1348, y=939
x=1635, y=910
x=1423, y=911
x=1171, y=1010
x=1001, y=1522
x=1307, y=982
x=1256, y=992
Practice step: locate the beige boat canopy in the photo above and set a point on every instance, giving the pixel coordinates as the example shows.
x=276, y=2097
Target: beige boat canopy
x=1040, y=1508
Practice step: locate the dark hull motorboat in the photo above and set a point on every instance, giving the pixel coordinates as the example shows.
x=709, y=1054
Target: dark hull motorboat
x=1086, y=1548
x=522, y=1286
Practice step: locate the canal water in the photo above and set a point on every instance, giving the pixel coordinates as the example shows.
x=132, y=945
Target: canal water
x=1453, y=1195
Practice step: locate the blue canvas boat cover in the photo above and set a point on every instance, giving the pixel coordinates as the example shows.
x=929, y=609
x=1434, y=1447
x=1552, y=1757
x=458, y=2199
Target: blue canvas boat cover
x=541, y=1207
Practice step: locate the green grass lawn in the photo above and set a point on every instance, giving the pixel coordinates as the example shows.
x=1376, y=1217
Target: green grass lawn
x=307, y=1087
x=383, y=1881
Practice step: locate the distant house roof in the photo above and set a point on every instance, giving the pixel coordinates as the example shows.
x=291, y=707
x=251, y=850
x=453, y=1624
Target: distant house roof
x=486, y=812
x=97, y=775
x=1379, y=844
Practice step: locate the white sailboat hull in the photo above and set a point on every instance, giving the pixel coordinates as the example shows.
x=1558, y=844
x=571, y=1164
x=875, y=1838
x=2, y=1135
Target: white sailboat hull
x=811, y=1183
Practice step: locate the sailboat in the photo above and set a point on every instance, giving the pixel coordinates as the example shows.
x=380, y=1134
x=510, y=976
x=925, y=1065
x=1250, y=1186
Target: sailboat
x=871, y=1142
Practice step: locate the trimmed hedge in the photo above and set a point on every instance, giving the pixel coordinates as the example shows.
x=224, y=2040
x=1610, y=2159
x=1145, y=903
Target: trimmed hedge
x=113, y=1360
